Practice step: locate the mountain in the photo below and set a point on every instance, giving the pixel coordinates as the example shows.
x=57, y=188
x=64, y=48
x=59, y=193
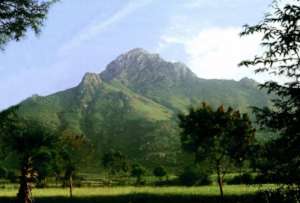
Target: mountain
x=174, y=86
x=132, y=105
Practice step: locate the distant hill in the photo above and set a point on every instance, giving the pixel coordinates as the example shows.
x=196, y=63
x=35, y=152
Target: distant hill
x=132, y=105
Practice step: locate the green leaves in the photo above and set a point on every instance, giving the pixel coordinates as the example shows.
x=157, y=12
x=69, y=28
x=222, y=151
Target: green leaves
x=221, y=137
x=17, y=17
x=216, y=135
x=25, y=137
x=281, y=43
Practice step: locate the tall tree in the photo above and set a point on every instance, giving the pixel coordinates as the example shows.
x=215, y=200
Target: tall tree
x=280, y=41
x=74, y=151
x=30, y=140
x=19, y=16
x=220, y=137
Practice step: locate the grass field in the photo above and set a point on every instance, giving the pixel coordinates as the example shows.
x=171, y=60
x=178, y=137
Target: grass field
x=138, y=194
x=115, y=191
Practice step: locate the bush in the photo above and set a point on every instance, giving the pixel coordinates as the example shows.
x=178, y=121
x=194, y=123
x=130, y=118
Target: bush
x=281, y=195
x=265, y=179
x=138, y=171
x=193, y=176
x=3, y=172
x=159, y=172
x=12, y=176
x=245, y=178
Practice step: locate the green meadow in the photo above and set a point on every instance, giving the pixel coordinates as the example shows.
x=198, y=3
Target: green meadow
x=234, y=193
x=130, y=190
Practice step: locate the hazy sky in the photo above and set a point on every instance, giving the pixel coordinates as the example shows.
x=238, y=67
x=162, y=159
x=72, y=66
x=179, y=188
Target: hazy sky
x=85, y=35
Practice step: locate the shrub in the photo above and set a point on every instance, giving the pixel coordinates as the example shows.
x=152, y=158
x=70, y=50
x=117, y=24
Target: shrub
x=12, y=176
x=265, y=179
x=159, y=172
x=138, y=171
x=245, y=178
x=193, y=176
x=3, y=172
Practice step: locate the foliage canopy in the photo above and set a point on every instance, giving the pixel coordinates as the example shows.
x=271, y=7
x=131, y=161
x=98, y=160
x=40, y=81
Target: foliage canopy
x=221, y=137
x=19, y=16
x=280, y=41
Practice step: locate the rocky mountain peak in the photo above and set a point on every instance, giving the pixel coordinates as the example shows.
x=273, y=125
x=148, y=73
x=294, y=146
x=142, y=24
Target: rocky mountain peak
x=89, y=86
x=137, y=53
x=90, y=79
x=138, y=63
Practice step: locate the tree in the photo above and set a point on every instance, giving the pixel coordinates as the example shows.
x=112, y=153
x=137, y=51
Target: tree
x=19, y=16
x=280, y=41
x=159, y=172
x=44, y=167
x=74, y=150
x=115, y=162
x=3, y=172
x=28, y=140
x=220, y=137
x=138, y=171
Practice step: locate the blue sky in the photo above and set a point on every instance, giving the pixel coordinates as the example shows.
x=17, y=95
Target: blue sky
x=82, y=36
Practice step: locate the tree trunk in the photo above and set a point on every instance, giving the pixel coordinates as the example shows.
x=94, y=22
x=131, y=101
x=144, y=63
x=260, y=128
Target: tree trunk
x=220, y=182
x=71, y=185
x=24, y=194
x=241, y=173
x=56, y=179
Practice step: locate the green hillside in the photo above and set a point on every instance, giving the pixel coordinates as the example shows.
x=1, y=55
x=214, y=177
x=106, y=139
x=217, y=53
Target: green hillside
x=132, y=105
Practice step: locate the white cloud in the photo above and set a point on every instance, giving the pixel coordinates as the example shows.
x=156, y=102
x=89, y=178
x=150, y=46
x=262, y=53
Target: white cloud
x=95, y=28
x=215, y=52
x=212, y=52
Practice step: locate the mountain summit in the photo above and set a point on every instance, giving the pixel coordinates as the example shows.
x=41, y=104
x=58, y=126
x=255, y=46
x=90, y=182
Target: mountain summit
x=142, y=67
x=132, y=105
x=174, y=85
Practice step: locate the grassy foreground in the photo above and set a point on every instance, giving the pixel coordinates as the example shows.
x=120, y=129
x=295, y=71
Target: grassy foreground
x=207, y=194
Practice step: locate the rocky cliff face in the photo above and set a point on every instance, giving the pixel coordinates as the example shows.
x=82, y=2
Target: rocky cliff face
x=139, y=66
x=88, y=88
